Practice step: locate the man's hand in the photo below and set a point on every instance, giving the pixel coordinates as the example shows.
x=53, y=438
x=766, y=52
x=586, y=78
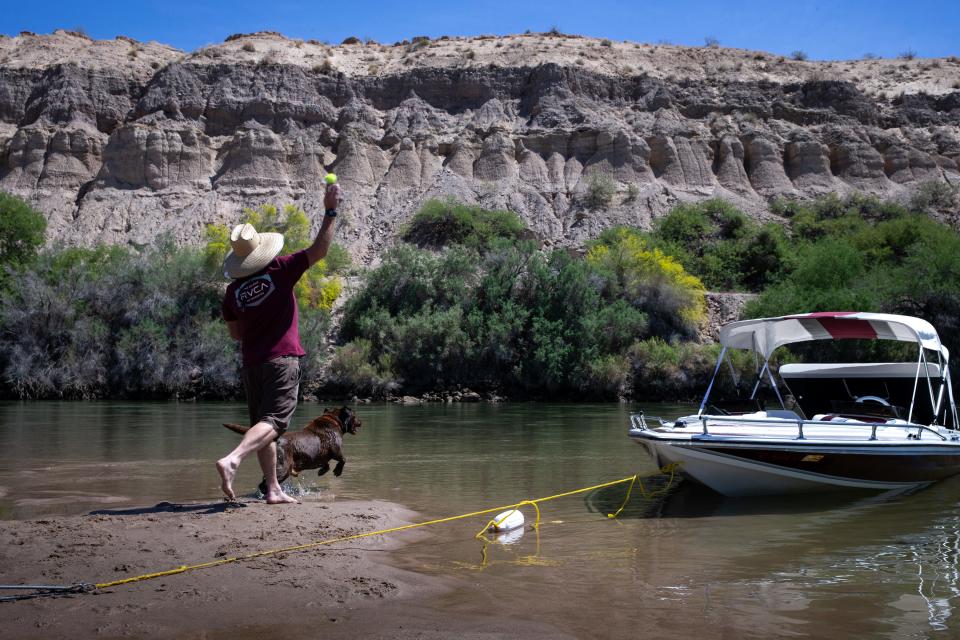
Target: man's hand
x=331, y=199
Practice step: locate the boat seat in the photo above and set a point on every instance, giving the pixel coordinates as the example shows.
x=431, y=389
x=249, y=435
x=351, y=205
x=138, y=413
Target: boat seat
x=833, y=417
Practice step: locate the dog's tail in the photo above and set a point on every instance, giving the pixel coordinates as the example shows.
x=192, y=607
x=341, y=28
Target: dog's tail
x=239, y=428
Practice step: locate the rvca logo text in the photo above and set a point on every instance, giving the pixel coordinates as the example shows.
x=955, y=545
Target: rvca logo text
x=254, y=291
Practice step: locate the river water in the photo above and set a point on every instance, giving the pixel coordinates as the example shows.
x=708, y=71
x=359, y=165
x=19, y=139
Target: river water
x=670, y=566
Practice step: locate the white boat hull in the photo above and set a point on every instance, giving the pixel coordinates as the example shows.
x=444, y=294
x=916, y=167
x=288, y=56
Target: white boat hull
x=737, y=477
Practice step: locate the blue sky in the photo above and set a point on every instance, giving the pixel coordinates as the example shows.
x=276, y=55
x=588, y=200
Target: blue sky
x=837, y=29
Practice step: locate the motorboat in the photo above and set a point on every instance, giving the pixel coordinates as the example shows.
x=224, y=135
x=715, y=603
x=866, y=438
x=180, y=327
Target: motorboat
x=883, y=426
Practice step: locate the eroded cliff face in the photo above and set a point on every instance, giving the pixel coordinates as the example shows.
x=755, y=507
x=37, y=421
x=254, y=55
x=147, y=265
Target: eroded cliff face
x=118, y=141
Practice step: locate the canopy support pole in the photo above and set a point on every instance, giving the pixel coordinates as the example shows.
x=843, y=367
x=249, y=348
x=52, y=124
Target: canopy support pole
x=716, y=370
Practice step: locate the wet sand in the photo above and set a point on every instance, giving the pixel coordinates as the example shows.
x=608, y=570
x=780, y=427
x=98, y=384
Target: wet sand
x=349, y=589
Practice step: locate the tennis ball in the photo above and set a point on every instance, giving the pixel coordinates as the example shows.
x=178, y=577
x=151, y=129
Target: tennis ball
x=331, y=178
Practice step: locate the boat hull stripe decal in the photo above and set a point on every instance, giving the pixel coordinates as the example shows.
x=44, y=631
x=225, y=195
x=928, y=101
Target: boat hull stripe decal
x=876, y=467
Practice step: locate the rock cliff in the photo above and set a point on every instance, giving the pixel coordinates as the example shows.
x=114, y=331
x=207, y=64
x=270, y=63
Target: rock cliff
x=119, y=140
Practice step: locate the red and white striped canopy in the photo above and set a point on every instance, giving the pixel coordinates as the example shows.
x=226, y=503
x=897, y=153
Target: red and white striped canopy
x=766, y=334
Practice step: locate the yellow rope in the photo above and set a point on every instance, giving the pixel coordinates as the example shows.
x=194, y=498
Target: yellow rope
x=670, y=468
x=250, y=556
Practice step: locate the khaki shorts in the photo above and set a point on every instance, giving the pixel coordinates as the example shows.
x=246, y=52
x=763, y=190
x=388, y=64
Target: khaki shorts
x=272, y=389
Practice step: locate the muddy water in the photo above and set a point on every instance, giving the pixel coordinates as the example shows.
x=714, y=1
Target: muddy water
x=688, y=563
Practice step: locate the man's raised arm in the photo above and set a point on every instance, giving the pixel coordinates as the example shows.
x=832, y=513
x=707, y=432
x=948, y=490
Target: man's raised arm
x=321, y=244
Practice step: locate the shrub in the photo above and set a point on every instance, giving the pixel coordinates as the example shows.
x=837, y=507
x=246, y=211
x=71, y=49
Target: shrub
x=711, y=42
x=428, y=349
x=763, y=258
x=94, y=322
x=418, y=42
x=248, y=47
x=863, y=254
x=935, y=195
x=407, y=280
x=22, y=231
x=661, y=370
x=909, y=54
x=799, y=55
x=684, y=225
x=351, y=370
x=600, y=191
x=650, y=280
x=832, y=215
x=445, y=222
x=718, y=243
x=338, y=259
x=608, y=376
x=923, y=280
x=512, y=318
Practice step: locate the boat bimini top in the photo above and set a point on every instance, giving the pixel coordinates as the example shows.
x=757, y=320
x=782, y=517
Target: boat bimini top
x=764, y=335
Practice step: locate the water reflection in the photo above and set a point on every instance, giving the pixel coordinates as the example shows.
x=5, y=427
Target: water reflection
x=833, y=546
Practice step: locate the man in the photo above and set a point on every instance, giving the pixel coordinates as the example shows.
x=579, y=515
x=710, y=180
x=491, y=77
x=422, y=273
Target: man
x=261, y=312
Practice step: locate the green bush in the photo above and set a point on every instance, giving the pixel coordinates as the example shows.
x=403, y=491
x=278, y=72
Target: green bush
x=724, y=248
x=338, y=259
x=608, y=377
x=600, y=192
x=22, y=231
x=649, y=280
x=662, y=370
x=87, y=323
x=352, y=371
x=441, y=223
x=863, y=254
x=409, y=279
x=832, y=215
x=514, y=318
x=935, y=195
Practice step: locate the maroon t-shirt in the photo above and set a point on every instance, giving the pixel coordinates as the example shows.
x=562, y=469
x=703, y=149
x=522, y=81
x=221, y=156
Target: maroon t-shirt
x=266, y=308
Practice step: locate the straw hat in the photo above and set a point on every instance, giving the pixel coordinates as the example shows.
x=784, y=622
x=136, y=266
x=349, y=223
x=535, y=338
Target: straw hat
x=251, y=251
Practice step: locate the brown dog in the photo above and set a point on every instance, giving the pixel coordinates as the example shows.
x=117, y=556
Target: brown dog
x=314, y=446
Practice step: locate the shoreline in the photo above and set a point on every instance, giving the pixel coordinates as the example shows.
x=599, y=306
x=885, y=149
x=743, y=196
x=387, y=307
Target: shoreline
x=112, y=544
x=348, y=589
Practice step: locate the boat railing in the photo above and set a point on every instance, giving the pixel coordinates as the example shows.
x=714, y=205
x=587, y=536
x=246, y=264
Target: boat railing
x=639, y=422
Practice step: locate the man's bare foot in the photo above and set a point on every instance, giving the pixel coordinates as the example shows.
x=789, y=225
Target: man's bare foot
x=280, y=498
x=227, y=469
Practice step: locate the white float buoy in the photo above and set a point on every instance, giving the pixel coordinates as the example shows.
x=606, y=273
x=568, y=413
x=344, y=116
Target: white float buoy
x=509, y=537
x=507, y=521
